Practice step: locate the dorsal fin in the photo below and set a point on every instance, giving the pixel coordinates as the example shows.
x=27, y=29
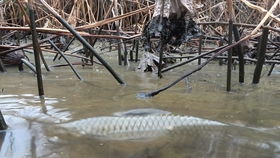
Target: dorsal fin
x=142, y=112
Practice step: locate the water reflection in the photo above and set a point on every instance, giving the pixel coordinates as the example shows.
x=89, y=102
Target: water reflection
x=16, y=142
x=24, y=115
x=33, y=108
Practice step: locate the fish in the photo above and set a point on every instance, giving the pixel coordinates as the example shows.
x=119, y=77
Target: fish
x=136, y=131
x=133, y=125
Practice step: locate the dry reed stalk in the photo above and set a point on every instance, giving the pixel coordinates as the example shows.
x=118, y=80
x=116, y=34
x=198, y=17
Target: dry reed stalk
x=78, y=12
x=260, y=9
x=2, y=20
x=95, y=13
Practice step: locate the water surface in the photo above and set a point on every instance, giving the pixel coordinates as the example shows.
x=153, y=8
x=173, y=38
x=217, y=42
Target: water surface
x=32, y=121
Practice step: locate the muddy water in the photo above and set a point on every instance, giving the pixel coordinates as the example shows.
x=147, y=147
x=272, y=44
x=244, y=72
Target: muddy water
x=253, y=110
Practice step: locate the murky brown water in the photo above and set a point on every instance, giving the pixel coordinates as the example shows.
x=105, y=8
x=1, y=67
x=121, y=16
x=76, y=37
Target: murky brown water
x=32, y=131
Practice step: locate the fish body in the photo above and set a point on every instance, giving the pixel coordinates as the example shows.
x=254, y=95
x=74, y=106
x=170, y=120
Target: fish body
x=135, y=127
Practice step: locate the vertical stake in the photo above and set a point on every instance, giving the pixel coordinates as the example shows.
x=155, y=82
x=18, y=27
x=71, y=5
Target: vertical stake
x=131, y=51
x=117, y=25
x=36, y=49
x=229, y=66
x=134, y=45
x=90, y=41
x=125, y=54
x=2, y=66
x=119, y=51
x=261, y=56
x=240, y=54
x=136, y=50
x=199, y=49
x=161, y=39
x=160, y=58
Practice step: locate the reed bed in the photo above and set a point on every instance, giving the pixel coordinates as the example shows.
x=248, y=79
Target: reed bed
x=77, y=13
x=82, y=12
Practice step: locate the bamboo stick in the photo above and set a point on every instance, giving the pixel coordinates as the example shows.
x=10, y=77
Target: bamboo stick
x=240, y=54
x=26, y=45
x=2, y=66
x=200, y=49
x=225, y=57
x=82, y=40
x=117, y=25
x=261, y=56
x=29, y=65
x=190, y=60
x=153, y=93
x=36, y=49
x=71, y=66
x=229, y=65
x=162, y=43
x=136, y=50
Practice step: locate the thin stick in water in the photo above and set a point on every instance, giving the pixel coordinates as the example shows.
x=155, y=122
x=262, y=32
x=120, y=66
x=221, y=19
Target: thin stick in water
x=61, y=53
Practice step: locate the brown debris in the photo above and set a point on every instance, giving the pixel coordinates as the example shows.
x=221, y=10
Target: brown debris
x=13, y=58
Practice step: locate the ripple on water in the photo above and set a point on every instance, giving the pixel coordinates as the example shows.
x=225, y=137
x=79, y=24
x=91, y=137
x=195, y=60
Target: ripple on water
x=26, y=116
x=31, y=108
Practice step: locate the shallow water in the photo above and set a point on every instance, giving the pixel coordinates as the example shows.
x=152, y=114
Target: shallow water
x=33, y=121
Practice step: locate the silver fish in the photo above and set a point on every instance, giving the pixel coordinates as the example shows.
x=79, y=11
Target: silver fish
x=135, y=127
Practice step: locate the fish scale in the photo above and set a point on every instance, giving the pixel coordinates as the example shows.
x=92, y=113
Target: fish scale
x=135, y=127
